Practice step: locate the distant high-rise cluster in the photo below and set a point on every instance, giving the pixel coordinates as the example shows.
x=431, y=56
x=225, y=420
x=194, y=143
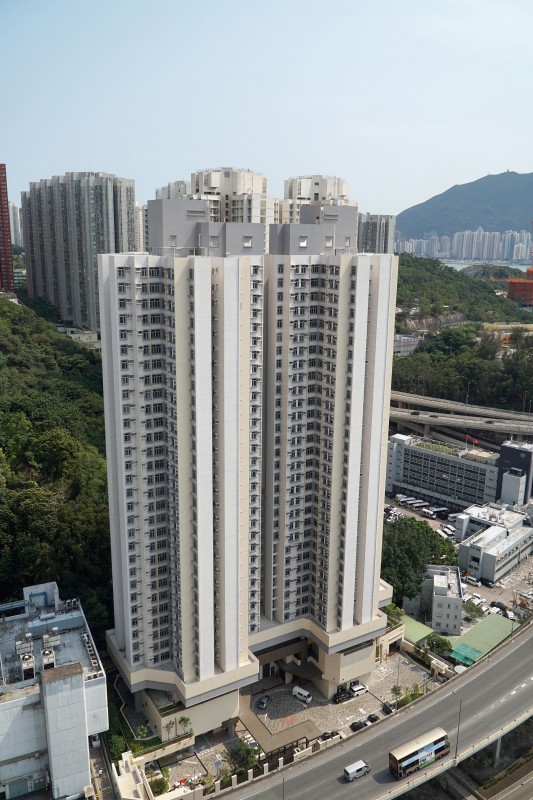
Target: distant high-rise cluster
x=67, y=221
x=479, y=245
x=7, y=283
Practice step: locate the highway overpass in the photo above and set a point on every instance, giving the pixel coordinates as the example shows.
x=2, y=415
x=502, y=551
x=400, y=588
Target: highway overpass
x=430, y=412
x=476, y=708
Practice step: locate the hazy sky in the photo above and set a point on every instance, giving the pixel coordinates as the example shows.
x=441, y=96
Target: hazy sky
x=402, y=98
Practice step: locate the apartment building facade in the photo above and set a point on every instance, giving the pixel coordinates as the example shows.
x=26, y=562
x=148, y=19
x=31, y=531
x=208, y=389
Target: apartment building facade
x=246, y=403
x=67, y=221
x=7, y=283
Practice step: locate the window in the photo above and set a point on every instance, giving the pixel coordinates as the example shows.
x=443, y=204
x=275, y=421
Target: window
x=213, y=241
x=302, y=241
x=246, y=241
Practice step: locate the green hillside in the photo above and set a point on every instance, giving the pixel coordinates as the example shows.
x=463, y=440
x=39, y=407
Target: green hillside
x=495, y=203
x=440, y=290
x=53, y=491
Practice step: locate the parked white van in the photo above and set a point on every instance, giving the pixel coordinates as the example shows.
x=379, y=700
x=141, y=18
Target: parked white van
x=355, y=770
x=302, y=694
x=357, y=689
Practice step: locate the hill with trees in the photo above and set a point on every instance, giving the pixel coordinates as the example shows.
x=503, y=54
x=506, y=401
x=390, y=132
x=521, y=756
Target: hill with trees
x=53, y=490
x=439, y=290
x=495, y=203
x=457, y=360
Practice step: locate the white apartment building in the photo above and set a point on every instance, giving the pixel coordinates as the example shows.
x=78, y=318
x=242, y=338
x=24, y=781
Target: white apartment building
x=52, y=695
x=235, y=195
x=246, y=404
x=311, y=190
x=440, y=601
x=140, y=226
x=67, y=221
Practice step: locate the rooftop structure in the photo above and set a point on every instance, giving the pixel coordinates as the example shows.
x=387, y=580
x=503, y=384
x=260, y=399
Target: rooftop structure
x=52, y=694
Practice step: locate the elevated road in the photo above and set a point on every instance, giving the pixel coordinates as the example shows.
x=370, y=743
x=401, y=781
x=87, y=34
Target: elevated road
x=448, y=406
x=490, y=698
x=432, y=412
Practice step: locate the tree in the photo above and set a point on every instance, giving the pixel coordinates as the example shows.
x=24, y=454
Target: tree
x=241, y=758
x=471, y=611
x=438, y=645
x=409, y=545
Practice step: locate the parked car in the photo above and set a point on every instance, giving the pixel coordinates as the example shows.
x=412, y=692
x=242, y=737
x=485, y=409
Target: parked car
x=488, y=583
x=342, y=697
x=95, y=740
x=264, y=701
x=498, y=604
x=373, y=718
x=358, y=725
x=387, y=709
x=328, y=735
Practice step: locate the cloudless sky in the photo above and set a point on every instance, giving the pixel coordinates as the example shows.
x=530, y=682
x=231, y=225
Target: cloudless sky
x=402, y=98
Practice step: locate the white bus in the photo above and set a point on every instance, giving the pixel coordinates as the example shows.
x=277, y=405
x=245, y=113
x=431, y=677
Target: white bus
x=429, y=513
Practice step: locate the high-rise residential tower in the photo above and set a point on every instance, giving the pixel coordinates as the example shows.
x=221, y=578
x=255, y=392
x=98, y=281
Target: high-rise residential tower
x=376, y=233
x=67, y=221
x=6, y=252
x=311, y=190
x=15, y=224
x=246, y=407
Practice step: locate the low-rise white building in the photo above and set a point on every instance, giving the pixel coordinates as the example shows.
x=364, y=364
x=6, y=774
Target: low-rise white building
x=495, y=539
x=52, y=695
x=440, y=600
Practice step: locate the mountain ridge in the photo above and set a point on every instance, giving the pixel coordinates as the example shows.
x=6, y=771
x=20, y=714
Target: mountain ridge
x=498, y=202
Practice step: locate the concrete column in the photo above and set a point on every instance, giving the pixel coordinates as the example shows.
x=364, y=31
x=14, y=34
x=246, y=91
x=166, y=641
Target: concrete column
x=233, y=781
x=217, y=787
x=265, y=768
x=497, y=753
x=280, y=762
x=250, y=774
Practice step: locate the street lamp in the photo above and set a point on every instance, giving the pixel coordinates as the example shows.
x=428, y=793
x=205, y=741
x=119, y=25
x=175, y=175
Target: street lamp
x=458, y=723
x=467, y=394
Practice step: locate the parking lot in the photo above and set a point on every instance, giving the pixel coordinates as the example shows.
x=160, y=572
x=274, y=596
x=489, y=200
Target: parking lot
x=284, y=710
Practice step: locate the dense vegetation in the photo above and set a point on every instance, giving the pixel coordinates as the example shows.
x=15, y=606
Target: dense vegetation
x=495, y=202
x=438, y=290
x=456, y=363
x=53, y=492
x=409, y=545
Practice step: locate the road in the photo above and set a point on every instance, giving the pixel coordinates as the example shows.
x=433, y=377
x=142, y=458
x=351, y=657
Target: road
x=421, y=401
x=470, y=423
x=488, y=696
